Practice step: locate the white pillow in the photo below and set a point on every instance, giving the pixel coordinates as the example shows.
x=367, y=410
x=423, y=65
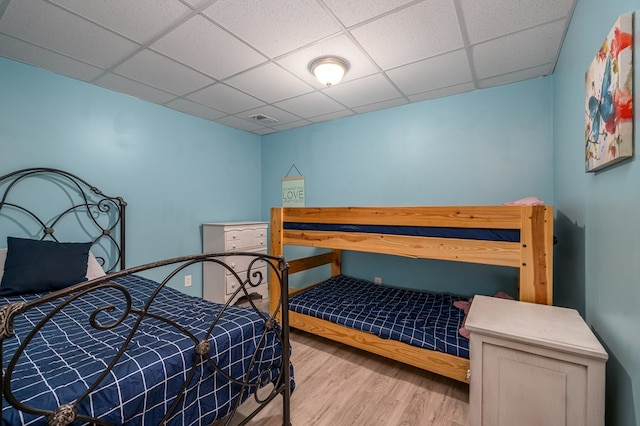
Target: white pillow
x=3, y=256
x=94, y=270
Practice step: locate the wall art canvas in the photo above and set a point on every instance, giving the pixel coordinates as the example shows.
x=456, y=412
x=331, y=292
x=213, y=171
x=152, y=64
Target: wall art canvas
x=609, y=99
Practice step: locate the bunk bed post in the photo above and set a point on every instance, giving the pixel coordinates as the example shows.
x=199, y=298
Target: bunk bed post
x=547, y=241
x=336, y=263
x=536, y=263
x=276, y=249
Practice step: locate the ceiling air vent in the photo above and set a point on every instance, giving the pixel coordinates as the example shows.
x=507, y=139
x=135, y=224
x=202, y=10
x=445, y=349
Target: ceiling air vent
x=263, y=118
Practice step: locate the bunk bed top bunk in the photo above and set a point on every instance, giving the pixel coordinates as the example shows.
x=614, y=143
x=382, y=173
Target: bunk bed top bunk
x=514, y=236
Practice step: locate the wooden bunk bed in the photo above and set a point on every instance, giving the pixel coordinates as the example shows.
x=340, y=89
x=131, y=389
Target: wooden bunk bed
x=531, y=252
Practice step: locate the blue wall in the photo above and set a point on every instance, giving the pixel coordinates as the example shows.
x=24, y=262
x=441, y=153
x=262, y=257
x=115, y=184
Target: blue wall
x=597, y=269
x=176, y=171
x=484, y=147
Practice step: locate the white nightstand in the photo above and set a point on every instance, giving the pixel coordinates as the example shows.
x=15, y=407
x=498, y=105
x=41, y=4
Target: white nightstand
x=533, y=365
x=218, y=283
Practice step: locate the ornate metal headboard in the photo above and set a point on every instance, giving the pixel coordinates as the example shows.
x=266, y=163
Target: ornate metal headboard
x=43, y=203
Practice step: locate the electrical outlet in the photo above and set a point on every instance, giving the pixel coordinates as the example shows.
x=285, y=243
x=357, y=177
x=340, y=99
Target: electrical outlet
x=377, y=280
x=187, y=280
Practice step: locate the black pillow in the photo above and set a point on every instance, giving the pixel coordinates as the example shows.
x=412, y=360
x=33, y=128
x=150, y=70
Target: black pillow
x=35, y=266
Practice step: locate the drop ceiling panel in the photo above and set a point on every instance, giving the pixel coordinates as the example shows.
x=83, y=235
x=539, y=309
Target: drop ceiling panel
x=221, y=59
x=364, y=91
x=516, y=76
x=274, y=27
x=441, y=93
x=356, y=11
x=134, y=88
x=139, y=20
x=158, y=71
x=381, y=105
x=270, y=83
x=489, y=19
x=193, y=108
x=441, y=71
x=28, y=53
x=331, y=116
x=204, y=46
x=518, y=51
x=239, y=123
x=310, y=105
x=46, y=25
x=292, y=125
x=427, y=29
x=225, y=98
x=264, y=131
x=198, y=3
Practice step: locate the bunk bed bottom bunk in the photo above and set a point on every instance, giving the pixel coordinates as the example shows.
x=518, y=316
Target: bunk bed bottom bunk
x=418, y=318
x=387, y=336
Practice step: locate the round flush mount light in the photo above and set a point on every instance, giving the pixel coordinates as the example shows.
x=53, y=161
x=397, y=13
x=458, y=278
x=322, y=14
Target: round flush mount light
x=329, y=70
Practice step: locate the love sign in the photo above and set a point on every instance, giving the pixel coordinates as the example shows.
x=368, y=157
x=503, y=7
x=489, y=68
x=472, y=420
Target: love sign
x=293, y=191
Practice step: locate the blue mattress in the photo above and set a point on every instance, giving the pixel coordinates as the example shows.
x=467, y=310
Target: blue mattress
x=511, y=235
x=137, y=392
x=426, y=320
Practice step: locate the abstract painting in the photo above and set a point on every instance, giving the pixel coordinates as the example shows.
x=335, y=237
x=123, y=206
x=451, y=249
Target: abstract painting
x=609, y=99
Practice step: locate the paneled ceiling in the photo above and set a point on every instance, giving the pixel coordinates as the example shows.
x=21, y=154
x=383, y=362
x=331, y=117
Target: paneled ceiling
x=228, y=60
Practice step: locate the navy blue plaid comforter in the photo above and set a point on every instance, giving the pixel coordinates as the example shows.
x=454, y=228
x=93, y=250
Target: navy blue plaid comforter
x=69, y=354
x=426, y=320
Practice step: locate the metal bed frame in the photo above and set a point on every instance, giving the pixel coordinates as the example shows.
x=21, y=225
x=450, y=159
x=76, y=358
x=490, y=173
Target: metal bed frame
x=84, y=199
x=91, y=206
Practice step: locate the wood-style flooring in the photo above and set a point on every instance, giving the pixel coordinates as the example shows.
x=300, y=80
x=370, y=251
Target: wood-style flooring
x=338, y=385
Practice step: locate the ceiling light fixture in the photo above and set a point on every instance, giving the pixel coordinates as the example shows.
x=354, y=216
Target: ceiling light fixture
x=329, y=70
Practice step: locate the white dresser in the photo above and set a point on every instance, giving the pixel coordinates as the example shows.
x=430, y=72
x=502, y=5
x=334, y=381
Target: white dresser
x=218, y=283
x=533, y=365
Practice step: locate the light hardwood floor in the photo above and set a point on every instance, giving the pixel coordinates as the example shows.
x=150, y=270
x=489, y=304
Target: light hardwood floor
x=338, y=385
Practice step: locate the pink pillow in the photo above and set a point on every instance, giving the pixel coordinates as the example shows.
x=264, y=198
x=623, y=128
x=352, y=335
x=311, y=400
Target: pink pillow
x=528, y=201
x=463, y=331
x=502, y=295
x=463, y=304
